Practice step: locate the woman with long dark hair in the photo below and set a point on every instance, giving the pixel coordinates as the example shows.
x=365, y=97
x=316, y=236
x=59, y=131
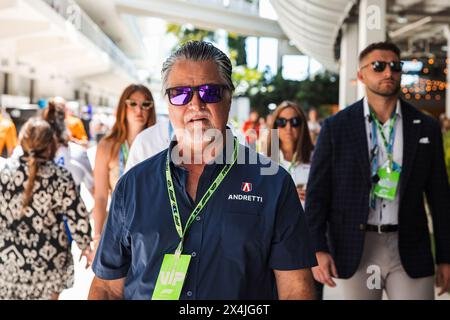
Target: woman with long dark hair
x=294, y=141
x=36, y=196
x=135, y=112
x=295, y=149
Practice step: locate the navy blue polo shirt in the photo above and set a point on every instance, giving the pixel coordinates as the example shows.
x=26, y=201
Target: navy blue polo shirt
x=251, y=225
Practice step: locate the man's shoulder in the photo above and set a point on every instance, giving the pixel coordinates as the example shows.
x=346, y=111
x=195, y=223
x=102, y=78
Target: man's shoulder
x=152, y=164
x=160, y=125
x=154, y=136
x=415, y=114
x=346, y=115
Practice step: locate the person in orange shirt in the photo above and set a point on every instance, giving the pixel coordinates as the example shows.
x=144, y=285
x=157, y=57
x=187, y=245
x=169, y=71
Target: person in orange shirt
x=74, y=125
x=76, y=128
x=8, y=136
x=251, y=127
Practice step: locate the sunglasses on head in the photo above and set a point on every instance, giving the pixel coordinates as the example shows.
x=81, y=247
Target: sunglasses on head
x=208, y=93
x=145, y=105
x=282, y=122
x=379, y=66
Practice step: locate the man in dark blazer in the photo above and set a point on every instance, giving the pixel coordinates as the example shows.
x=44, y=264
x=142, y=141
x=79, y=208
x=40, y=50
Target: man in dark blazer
x=373, y=164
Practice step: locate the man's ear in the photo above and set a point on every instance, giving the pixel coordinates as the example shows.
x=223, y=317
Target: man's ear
x=360, y=76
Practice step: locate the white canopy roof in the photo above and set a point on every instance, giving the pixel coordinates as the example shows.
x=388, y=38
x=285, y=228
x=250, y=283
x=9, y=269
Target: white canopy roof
x=313, y=25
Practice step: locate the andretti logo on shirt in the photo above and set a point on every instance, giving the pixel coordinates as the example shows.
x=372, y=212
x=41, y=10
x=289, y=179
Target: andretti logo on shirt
x=245, y=187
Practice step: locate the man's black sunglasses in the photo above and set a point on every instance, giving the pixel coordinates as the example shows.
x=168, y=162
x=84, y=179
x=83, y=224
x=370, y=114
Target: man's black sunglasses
x=379, y=66
x=282, y=122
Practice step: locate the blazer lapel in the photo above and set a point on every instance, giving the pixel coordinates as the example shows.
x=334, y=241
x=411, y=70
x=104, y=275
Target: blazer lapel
x=411, y=133
x=359, y=136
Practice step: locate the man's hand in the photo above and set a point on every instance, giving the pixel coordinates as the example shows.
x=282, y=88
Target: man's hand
x=325, y=270
x=443, y=277
x=106, y=289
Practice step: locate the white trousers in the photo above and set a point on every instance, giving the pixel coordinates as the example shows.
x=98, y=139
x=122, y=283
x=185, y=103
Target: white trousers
x=381, y=269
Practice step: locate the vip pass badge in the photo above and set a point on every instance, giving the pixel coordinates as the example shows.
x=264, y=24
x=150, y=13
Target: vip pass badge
x=174, y=267
x=386, y=187
x=388, y=175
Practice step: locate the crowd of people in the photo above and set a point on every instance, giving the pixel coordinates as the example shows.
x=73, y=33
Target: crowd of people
x=183, y=212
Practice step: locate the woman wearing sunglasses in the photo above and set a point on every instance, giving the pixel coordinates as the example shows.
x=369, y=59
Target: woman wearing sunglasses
x=296, y=150
x=134, y=113
x=295, y=143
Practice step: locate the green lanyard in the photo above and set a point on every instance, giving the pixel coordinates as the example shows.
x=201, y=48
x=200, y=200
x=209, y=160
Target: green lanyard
x=387, y=145
x=201, y=204
x=123, y=157
x=292, y=164
x=124, y=147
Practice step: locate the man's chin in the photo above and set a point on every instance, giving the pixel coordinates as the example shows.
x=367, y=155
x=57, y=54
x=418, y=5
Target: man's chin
x=388, y=92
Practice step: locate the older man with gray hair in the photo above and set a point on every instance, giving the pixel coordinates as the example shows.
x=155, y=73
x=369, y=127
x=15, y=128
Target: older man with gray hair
x=196, y=221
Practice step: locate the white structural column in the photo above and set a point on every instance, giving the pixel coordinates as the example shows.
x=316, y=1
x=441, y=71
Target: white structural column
x=284, y=48
x=372, y=26
x=348, y=65
x=447, y=95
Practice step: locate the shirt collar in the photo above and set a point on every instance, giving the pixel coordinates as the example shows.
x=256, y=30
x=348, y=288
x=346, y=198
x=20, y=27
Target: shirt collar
x=398, y=109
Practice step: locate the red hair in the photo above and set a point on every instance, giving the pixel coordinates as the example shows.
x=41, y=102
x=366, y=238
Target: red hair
x=119, y=131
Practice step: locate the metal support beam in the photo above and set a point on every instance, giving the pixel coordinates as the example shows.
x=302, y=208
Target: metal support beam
x=209, y=17
x=372, y=27
x=348, y=65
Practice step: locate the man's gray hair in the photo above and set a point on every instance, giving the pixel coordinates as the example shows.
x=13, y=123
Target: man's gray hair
x=199, y=51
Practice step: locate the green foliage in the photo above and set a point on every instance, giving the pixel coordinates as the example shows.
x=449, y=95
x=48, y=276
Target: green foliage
x=186, y=33
x=236, y=45
x=322, y=89
x=264, y=88
x=247, y=81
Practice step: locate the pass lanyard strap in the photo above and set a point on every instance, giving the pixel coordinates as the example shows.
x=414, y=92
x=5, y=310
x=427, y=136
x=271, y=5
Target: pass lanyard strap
x=389, y=148
x=292, y=164
x=388, y=145
x=203, y=201
x=123, y=157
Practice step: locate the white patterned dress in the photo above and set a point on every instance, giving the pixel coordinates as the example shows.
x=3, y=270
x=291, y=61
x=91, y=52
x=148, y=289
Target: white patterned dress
x=35, y=257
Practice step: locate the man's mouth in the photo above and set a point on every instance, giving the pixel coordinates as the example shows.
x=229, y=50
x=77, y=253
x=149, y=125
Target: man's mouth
x=199, y=118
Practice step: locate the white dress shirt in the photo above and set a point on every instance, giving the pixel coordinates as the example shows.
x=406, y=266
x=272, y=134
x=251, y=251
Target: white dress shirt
x=149, y=142
x=385, y=212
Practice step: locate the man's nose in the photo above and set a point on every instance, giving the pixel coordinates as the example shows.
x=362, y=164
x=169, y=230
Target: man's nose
x=388, y=71
x=196, y=102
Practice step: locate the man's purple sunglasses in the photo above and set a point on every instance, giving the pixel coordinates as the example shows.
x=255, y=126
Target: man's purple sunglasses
x=208, y=93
